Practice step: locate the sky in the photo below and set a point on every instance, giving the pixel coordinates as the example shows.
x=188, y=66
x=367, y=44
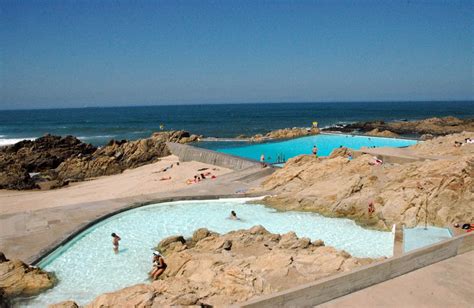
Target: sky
x=119, y=53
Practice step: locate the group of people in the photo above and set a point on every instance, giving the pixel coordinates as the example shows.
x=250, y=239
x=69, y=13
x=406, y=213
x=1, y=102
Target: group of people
x=460, y=143
x=159, y=264
x=200, y=177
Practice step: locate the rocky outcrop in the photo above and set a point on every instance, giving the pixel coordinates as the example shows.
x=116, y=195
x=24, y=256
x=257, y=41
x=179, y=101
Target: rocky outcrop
x=441, y=190
x=36, y=156
x=118, y=156
x=65, y=304
x=285, y=133
x=57, y=160
x=219, y=270
x=381, y=133
x=433, y=126
x=20, y=279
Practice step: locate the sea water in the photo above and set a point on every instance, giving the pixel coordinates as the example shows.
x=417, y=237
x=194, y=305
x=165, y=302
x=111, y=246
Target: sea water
x=99, y=125
x=326, y=143
x=87, y=266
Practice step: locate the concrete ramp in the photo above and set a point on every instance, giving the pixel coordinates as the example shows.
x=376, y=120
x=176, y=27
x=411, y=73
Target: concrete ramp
x=191, y=153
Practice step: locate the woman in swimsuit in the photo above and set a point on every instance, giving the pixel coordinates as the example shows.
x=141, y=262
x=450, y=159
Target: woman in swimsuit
x=115, y=242
x=159, y=265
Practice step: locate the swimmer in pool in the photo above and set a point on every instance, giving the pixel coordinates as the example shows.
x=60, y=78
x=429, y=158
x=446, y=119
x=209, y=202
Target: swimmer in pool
x=115, y=242
x=233, y=215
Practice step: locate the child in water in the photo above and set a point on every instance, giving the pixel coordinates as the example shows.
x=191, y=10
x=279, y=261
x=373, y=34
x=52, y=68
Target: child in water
x=115, y=242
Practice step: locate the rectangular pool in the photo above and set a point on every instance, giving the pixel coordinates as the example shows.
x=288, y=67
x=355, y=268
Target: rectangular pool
x=287, y=149
x=418, y=237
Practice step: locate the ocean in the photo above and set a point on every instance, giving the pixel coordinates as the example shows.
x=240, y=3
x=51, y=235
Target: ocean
x=99, y=125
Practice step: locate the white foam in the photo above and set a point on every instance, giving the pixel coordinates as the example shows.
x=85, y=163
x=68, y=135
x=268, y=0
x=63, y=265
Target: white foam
x=94, y=137
x=8, y=141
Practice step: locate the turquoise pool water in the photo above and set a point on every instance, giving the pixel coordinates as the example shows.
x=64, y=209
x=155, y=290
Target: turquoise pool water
x=325, y=143
x=418, y=237
x=87, y=266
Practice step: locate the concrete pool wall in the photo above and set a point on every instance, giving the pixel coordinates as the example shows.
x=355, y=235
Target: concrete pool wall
x=321, y=291
x=188, y=153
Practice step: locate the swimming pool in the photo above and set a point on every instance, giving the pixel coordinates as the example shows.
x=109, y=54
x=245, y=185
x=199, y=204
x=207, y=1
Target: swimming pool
x=414, y=238
x=87, y=266
x=287, y=149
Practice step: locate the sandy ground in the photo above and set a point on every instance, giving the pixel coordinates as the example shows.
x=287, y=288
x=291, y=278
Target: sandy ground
x=133, y=182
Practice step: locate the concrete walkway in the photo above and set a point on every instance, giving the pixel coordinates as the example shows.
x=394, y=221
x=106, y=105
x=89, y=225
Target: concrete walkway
x=28, y=235
x=444, y=284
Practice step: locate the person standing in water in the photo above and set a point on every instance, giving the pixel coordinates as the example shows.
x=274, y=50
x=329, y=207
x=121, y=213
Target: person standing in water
x=262, y=160
x=115, y=242
x=233, y=215
x=315, y=151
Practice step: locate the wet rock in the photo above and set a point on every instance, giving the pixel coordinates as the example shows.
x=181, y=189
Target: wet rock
x=26, y=157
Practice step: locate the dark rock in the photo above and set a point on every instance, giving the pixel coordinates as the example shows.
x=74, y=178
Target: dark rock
x=36, y=156
x=433, y=126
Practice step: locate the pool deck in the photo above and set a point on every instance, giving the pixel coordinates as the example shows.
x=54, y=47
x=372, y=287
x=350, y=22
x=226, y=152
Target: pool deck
x=29, y=235
x=444, y=284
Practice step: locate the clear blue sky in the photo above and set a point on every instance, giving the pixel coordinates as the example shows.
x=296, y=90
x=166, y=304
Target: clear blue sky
x=105, y=53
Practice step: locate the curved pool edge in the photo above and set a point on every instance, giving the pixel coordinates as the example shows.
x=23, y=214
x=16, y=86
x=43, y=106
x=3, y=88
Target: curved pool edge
x=69, y=236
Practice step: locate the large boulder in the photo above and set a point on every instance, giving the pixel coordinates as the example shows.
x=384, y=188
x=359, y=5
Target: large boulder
x=20, y=279
x=20, y=160
x=286, y=133
x=381, y=133
x=118, y=156
x=341, y=187
x=215, y=272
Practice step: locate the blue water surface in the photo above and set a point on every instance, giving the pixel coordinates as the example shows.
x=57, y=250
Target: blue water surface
x=325, y=143
x=99, y=125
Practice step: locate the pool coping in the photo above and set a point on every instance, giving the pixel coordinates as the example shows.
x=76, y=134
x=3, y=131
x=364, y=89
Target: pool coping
x=329, y=288
x=62, y=241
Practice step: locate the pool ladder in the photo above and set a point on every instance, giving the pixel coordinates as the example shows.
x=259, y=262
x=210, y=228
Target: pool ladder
x=281, y=159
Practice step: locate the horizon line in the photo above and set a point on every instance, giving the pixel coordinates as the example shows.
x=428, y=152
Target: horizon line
x=240, y=103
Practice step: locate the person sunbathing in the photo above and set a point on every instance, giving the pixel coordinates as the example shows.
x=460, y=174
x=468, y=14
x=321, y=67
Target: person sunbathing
x=376, y=161
x=165, y=178
x=159, y=265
